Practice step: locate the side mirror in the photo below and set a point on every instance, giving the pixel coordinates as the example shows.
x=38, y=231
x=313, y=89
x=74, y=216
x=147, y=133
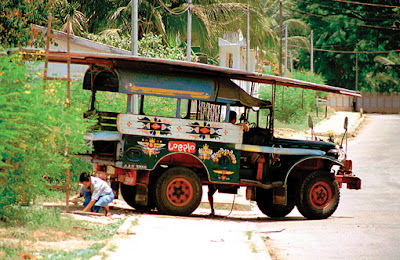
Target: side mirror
x=346, y=123
x=310, y=122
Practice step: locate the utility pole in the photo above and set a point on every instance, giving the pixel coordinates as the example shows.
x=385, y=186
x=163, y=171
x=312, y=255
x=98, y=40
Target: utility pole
x=356, y=71
x=248, y=39
x=280, y=37
x=135, y=33
x=189, y=32
x=134, y=104
x=312, y=52
x=356, y=87
x=286, y=53
x=291, y=62
x=248, y=48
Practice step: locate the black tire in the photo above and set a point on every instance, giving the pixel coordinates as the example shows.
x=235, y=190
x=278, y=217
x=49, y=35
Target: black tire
x=129, y=193
x=318, y=196
x=178, y=192
x=264, y=199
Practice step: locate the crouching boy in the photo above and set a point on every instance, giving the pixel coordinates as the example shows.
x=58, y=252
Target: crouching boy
x=97, y=193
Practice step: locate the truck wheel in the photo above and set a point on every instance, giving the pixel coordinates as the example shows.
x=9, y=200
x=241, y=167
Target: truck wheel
x=318, y=196
x=264, y=199
x=129, y=193
x=178, y=192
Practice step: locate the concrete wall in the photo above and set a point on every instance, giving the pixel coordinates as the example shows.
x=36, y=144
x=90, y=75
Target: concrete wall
x=370, y=102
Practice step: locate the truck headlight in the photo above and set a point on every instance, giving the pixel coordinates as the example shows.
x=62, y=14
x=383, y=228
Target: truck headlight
x=333, y=152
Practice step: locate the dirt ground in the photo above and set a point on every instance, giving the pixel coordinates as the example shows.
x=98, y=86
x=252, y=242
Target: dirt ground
x=69, y=240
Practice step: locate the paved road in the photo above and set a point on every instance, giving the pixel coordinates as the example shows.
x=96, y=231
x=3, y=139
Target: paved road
x=365, y=226
x=367, y=222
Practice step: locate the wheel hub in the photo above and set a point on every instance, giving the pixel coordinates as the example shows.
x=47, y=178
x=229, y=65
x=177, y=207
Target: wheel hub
x=320, y=195
x=179, y=192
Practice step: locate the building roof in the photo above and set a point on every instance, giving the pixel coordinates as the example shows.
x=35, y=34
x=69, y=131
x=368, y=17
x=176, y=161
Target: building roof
x=100, y=47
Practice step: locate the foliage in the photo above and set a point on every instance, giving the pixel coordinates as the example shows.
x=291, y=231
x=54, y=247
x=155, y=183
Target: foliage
x=210, y=18
x=386, y=78
x=38, y=132
x=15, y=18
x=167, y=18
x=150, y=45
x=293, y=104
x=351, y=27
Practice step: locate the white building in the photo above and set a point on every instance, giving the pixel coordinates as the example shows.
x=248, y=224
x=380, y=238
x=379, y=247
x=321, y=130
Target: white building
x=232, y=54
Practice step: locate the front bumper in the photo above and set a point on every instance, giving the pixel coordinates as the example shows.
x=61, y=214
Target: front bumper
x=345, y=175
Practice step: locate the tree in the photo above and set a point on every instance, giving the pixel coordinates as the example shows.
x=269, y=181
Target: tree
x=15, y=19
x=210, y=19
x=386, y=78
x=349, y=27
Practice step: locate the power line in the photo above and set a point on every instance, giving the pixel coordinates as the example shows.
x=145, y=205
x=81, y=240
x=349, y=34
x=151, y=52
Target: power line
x=337, y=20
x=359, y=3
x=382, y=17
x=350, y=52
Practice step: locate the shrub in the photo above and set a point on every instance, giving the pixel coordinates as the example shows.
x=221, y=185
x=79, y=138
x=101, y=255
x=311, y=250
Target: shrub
x=38, y=132
x=293, y=104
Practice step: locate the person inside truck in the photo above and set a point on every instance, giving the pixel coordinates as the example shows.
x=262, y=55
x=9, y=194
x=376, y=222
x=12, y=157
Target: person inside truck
x=232, y=119
x=97, y=193
x=211, y=188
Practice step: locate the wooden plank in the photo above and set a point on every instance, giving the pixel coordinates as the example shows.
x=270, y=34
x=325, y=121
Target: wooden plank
x=185, y=129
x=80, y=212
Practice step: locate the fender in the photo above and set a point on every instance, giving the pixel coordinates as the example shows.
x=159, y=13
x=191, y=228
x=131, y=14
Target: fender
x=325, y=158
x=171, y=155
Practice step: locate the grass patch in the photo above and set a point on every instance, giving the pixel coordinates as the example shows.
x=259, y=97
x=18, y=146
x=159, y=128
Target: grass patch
x=249, y=234
x=302, y=124
x=74, y=254
x=101, y=232
x=26, y=230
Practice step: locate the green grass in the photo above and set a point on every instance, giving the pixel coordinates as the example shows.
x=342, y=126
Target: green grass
x=38, y=223
x=102, y=232
x=74, y=254
x=302, y=124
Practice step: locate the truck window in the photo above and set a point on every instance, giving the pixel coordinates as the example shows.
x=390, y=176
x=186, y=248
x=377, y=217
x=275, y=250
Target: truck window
x=159, y=106
x=110, y=102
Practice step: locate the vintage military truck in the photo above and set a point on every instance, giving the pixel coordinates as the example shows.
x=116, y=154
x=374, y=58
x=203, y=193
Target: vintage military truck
x=162, y=162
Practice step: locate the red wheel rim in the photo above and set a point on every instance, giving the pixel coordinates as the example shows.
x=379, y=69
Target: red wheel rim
x=320, y=195
x=179, y=192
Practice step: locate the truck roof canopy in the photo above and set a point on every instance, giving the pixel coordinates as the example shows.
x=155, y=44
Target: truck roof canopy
x=141, y=75
x=188, y=86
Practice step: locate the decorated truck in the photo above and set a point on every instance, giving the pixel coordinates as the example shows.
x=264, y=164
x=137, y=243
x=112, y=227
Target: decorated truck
x=162, y=162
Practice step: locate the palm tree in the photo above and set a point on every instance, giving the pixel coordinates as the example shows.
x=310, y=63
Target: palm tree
x=386, y=78
x=65, y=10
x=210, y=19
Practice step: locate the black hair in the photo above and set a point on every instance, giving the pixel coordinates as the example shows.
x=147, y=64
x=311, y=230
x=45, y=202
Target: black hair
x=232, y=115
x=84, y=177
